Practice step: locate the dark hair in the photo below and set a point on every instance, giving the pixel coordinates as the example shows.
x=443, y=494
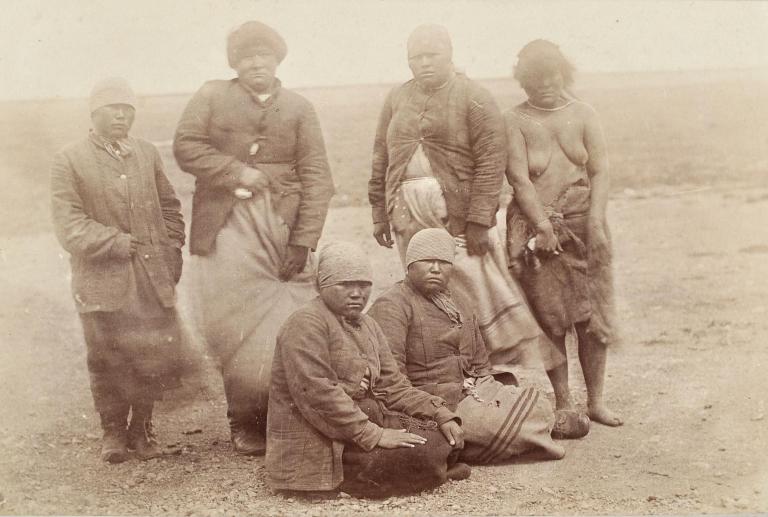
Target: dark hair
x=540, y=57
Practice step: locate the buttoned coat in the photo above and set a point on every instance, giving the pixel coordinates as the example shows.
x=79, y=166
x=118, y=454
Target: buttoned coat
x=435, y=353
x=99, y=202
x=462, y=132
x=318, y=365
x=225, y=128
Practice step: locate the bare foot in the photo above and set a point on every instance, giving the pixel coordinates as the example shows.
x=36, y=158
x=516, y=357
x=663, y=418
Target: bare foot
x=604, y=416
x=563, y=402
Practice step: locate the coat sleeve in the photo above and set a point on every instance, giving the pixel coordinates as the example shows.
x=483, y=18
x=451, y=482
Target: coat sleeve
x=194, y=151
x=315, y=387
x=77, y=232
x=479, y=362
x=316, y=182
x=393, y=319
x=377, y=185
x=400, y=395
x=487, y=135
x=170, y=205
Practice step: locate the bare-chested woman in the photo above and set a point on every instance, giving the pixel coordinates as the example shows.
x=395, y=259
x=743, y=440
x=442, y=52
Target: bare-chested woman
x=557, y=236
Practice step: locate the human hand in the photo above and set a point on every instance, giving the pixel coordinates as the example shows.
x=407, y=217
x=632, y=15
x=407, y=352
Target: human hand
x=383, y=234
x=453, y=433
x=477, y=239
x=546, y=240
x=516, y=268
x=134, y=246
x=294, y=261
x=253, y=179
x=365, y=384
x=397, y=438
x=597, y=238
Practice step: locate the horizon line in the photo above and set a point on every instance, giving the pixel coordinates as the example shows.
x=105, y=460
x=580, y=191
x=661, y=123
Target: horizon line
x=370, y=84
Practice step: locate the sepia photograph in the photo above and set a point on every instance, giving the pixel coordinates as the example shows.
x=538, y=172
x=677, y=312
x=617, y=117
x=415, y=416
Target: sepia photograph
x=383, y=257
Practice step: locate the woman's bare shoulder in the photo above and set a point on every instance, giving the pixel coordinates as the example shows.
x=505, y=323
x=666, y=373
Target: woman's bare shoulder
x=518, y=117
x=583, y=110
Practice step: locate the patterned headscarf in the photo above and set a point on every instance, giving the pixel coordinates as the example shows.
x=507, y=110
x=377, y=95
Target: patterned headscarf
x=342, y=262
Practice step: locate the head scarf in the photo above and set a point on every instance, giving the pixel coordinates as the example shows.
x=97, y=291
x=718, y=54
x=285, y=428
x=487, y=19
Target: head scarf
x=430, y=244
x=251, y=34
x=342, y=262
x=429, y=38
x=113, y=90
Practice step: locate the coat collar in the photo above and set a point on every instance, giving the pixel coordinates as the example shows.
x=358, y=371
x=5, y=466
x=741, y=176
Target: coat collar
x=274, y=91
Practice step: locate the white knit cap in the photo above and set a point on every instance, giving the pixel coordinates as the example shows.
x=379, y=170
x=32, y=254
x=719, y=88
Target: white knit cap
x=342, y=262
x=113, y=90
x=430, y=244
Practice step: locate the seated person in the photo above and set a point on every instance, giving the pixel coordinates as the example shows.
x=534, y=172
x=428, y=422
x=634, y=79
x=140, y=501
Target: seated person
x=340, y=410
x=437, y=343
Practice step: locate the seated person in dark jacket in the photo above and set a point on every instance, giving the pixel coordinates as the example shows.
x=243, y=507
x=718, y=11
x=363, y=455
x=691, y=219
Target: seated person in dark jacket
x=437, y=343
x=340, y=410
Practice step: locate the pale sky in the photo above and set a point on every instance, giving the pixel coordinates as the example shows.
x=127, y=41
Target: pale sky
x=59, y=48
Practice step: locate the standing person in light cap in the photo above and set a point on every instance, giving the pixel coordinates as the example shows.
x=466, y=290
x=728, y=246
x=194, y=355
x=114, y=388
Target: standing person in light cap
x=435, y=338
x=262, y=190
x=117, y=215
x=341, y=415
x=438, y=162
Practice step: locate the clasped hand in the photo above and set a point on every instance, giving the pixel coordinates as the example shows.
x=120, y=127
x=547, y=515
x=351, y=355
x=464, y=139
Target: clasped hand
x=546, y=240
x=397, y=438
x=251, y=180
x=477, y=239
x=294, y=261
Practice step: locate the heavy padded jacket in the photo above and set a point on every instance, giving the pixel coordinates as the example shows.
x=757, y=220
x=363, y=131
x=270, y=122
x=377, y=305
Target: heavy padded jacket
x=100, y=202
x=435, y=353
x=462, y=132
x=215, y=141
x=316, y=372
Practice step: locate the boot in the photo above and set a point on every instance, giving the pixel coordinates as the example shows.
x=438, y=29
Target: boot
x=247, y=436
x=141, y=435
x=114, y=446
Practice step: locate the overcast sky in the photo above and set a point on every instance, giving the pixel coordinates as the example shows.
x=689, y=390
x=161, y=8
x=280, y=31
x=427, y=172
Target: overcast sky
x=59, y=48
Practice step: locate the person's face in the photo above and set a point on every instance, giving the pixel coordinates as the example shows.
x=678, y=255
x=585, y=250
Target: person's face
x=257, y=67
x=544, y=89
x=431, y=64
x=346, y=299
x=113, y=121
x=430, y=276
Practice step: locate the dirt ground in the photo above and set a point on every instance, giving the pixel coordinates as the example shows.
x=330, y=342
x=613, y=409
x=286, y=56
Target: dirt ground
x=691, y=269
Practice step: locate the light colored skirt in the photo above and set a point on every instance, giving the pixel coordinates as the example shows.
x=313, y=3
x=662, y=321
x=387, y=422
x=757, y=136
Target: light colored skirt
x=507, y=421
x=240, y=302
x=511, y=334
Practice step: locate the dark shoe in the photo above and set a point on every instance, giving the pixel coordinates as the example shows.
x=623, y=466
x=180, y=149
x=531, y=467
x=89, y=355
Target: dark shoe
x=141, y=438
x=114, y=448
x=141, y=434
x=247, y=433
x=570, y=424
x=247, y=442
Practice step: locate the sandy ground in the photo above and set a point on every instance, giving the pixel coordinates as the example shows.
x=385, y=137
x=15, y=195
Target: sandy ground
x=692, y=269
